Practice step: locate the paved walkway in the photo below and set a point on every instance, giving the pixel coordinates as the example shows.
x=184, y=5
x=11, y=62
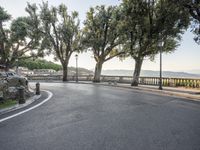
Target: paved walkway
x=193, y=94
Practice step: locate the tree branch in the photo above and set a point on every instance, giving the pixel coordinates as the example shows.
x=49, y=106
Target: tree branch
x=118, y=54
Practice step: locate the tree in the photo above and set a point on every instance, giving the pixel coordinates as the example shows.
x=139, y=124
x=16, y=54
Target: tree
x=102, y=35
x=20, y=41
x=60, y=32
x=146, y=22
x=193, y=7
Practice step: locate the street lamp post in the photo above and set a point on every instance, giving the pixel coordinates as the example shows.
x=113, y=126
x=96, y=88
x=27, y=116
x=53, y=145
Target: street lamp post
x=76, y=67
x=160, y=44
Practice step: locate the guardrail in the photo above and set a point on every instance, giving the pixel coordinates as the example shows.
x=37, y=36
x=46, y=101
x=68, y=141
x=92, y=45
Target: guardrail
x=172, y=82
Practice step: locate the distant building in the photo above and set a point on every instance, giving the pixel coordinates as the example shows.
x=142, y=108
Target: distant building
x=25, y=71
x=44, y=71
x=60, y=72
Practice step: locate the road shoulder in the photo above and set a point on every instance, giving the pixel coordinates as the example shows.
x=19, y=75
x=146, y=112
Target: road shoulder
x=45, y=96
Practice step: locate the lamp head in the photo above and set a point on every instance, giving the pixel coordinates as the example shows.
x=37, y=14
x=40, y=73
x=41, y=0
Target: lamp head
x=160, y=43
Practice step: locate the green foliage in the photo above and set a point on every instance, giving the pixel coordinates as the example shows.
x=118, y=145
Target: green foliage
x=20, y=41
x=146, y=22
x=60, y=31
x=43, y=64
x=4, y=16
x=7, y=103
x=39, y=64
x=132, y=29
x=193, y=7
x=102, y=32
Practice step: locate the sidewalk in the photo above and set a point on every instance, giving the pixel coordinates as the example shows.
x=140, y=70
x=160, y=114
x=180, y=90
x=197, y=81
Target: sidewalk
x=189, y=93
x=192, y=94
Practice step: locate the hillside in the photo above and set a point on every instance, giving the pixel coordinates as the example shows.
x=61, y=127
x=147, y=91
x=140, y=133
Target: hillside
x=43, y=64
x=150, y=73
x=39, y=64
x=81, y=71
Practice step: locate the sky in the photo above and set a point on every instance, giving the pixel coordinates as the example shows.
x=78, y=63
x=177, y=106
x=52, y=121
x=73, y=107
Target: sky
x=186, y=57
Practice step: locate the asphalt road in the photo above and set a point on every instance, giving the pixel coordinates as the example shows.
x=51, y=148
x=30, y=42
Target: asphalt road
x=92, y=117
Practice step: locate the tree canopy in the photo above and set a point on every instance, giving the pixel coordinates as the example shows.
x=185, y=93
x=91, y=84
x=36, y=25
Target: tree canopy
x=102, y=35
x=148, y=22
x=19, y=41
x=39, y=64
x=132, y=29
x=193, y=7
x=60, y=32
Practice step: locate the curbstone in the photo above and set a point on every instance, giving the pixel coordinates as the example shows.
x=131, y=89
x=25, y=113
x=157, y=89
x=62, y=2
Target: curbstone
x=19, y=106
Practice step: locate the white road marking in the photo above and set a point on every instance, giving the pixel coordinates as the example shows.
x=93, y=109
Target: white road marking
x=24, y=111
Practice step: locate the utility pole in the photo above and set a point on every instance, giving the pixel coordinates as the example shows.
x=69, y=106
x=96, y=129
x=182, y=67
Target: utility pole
x=160, y=44
x=76, y=56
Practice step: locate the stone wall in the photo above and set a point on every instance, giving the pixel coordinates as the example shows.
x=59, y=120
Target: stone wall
x=9, y=87
x=3, y=89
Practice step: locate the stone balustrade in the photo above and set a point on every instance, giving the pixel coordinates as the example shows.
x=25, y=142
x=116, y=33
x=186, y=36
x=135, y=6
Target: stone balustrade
x=172, y=82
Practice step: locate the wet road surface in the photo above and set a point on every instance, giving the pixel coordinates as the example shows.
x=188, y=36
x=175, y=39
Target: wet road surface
x=92, y=117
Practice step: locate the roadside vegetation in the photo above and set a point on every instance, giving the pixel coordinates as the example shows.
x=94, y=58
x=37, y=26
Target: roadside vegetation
x=7, y=103
x=32, y=64
x=136, y=28
x=39, y=64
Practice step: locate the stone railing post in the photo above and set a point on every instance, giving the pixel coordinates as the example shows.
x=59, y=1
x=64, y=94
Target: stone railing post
x=1, y=96
x=37, y=88
x=21, y=99
x=120, y=79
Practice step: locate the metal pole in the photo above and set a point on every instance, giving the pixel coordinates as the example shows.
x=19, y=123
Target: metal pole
x=76, y=68
x=160, y=82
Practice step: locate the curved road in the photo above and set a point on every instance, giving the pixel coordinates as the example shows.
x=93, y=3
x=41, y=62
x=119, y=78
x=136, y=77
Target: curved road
x=92, y=117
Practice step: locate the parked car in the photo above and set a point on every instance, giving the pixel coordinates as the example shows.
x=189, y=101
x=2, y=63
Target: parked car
x=11, y=74
x=3, y=75
x=13, y=78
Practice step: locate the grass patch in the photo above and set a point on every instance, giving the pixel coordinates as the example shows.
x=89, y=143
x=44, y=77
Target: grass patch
x=7, y=103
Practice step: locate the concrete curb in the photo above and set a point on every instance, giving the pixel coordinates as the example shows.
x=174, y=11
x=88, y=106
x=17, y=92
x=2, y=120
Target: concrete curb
x=168, y=93
x=19, y=106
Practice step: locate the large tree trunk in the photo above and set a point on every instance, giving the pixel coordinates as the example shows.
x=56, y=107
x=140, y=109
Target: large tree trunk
x=65, y=71
x=136, y=74
x=97, y=73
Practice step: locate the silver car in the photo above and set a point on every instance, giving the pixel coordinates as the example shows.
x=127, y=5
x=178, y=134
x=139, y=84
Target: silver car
x=13, y=79
x=13, y=74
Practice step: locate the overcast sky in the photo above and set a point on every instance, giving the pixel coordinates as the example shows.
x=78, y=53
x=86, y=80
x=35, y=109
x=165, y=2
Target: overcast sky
x=186, y=57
